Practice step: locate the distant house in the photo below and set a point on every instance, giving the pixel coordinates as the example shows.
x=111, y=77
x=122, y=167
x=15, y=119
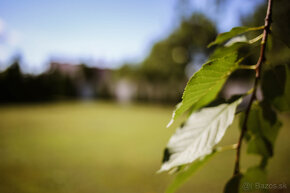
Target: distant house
x=125, y=90
x=95, y=83
x=67, y=69
x=90, y=82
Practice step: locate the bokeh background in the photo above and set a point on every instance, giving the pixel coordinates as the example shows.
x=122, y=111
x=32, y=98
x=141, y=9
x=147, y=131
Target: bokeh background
x=87, y=88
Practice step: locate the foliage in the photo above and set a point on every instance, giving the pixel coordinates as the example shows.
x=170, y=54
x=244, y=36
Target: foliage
x=221, y=38
x=55, y=83
x=17, y=87
x=169, y=57
x=166, y=65
x=198, y=135
x=208, y=120
x=185, y=174
x=205, y=84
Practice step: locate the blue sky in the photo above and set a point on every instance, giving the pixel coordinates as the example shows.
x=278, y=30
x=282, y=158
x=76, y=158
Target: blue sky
x=112, y=31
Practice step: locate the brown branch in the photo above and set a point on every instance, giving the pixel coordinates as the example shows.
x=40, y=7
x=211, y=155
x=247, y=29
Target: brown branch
x=261, y=60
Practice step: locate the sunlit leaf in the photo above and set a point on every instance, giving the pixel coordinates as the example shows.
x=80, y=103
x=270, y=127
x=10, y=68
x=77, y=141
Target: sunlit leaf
x=205, y=84
x=186, y=171
x=234, y=40
x=233, y=45
x=200, y=133
x=221, y=38
x=222, y=51
x=183, y=176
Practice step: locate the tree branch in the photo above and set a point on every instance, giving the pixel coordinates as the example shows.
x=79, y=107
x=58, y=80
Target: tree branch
x=261, y=60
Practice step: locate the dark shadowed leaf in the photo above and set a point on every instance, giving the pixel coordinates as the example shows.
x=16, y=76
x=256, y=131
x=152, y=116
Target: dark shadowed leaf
x=251, y=180
x=260, y=145
x=233, y=185
x=247, y=182
x=268, y=113
x=262, y=131
x=282, y=102
x=276, y=87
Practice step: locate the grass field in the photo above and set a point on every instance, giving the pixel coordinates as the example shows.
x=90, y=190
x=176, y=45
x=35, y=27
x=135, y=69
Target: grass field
x=100, y=147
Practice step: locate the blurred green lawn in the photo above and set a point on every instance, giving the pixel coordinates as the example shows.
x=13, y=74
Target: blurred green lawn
x=102, y=147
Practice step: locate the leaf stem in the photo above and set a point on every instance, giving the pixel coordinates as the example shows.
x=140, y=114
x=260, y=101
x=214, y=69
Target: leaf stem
x=261, y=60
x=256, y=39
x=252, y=67
x=227, y=147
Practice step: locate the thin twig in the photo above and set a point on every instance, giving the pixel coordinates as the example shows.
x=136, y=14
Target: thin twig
x=261, y=60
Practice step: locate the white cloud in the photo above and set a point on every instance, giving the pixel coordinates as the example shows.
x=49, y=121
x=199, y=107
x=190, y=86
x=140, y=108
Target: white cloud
x=10, y=42
x=14, y=37
x=3, y=53
x=11, y=37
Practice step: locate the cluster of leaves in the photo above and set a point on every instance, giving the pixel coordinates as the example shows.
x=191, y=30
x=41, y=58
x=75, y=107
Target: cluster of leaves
x=209, y=116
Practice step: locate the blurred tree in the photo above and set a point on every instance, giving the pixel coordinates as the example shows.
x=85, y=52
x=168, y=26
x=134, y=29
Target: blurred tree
x=174, y=59
x=130, y=71
x=18, y=87
x=166, y=65
x=168, y=58
x=11, y=82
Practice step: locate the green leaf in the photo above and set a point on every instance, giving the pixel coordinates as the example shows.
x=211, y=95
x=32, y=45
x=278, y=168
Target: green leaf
x=223, y=51
x=221, y=38
x=253, y=177
x=268, y=112
x=275, y=85
x=282, y=102
x=262, y=131
x=233, y=45
x=247, y=182
x=186, y=171
x=260, y=145
x=255, y=174
x=233, y=185
x=184, y=175
x=200, y=133
x=205, y=84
